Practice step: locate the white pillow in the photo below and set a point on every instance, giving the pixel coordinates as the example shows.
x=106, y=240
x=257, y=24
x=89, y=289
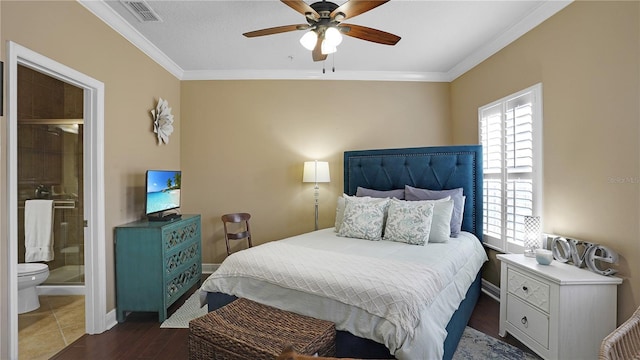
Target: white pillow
x=409, y=221
x=363, y=218
x=441, y=223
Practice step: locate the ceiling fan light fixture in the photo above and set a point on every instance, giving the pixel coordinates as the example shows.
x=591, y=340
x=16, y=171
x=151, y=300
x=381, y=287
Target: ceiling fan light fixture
x=309, y=39
x=327, y=48
x=333, y=36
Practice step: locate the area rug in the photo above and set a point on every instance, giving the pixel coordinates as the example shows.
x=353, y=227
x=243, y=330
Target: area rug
x=473, y=344
x=477, y=345
x=188, y=311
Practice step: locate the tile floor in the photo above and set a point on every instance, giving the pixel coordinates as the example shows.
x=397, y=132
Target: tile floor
x=57, y=323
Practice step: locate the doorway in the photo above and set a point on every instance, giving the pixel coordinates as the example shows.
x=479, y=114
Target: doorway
x=93, y=219
x=50, y=167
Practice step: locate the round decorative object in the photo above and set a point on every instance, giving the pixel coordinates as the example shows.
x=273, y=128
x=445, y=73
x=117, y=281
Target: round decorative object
x=544, y=256
x=162, y=121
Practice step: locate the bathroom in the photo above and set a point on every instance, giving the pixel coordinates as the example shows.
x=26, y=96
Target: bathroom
x=50, y=166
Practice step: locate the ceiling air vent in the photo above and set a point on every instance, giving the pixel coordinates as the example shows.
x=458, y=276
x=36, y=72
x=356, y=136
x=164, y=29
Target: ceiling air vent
x=141, y=10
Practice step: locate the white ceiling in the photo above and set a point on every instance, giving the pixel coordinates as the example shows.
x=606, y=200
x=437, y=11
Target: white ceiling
x=441, y=39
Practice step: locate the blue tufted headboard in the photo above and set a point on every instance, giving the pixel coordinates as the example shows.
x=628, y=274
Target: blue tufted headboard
x=434, y=168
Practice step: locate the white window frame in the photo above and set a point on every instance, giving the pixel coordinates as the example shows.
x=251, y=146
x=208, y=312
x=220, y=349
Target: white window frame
x=506, y=243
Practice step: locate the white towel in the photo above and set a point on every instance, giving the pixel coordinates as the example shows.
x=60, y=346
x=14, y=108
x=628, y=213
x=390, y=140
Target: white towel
x=38, y=230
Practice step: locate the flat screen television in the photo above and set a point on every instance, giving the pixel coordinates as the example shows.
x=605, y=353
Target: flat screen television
x=163, y=194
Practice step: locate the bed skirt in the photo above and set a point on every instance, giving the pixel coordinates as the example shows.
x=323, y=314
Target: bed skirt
x=349, y=345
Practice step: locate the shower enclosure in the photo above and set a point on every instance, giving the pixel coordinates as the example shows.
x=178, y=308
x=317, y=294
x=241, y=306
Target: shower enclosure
x=50, y=166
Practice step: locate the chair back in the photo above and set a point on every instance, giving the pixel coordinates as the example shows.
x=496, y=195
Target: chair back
x=239, y=232
x=624, y=342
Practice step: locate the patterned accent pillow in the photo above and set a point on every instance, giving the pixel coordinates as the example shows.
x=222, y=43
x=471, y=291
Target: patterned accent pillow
x=413, y=194
x=409, y=222
x=363, y=218
x=339, y=212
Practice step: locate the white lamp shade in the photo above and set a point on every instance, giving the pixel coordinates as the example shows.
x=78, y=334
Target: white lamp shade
x=309, y=39
x=333, y=36
x=316, y=172
x=327, y=48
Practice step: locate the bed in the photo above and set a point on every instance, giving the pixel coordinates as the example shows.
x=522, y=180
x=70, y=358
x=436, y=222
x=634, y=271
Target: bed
x=444, y=280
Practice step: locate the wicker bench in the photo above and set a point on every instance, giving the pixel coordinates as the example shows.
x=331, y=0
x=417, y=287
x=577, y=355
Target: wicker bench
x=245, y=329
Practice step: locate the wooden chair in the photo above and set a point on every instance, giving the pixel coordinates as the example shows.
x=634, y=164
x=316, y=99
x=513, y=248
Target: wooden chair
x=624, y=342
x=242, y=221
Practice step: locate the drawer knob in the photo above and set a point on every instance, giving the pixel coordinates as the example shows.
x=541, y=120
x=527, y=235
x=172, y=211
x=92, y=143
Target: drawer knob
x=525, y=289
x=524, y=321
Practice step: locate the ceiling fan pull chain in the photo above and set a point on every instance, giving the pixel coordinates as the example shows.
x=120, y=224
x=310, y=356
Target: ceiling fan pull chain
x=333, y=65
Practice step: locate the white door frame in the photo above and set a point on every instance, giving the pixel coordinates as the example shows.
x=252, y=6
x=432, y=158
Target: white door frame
x=94, y=207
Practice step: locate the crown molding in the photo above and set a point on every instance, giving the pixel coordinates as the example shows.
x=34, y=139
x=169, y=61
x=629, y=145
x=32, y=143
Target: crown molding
x=526, y=24
x=110, y=17
x=104, y=12
x=314, y=75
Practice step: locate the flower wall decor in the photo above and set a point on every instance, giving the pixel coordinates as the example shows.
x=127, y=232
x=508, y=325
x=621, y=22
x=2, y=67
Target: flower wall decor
x=162, y=121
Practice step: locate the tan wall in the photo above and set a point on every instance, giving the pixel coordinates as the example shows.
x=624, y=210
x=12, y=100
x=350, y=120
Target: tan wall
x=244, y=143
x=67, y=33
x=587, y=58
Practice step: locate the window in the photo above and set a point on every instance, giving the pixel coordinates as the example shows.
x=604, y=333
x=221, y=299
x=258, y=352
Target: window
x=511, y=138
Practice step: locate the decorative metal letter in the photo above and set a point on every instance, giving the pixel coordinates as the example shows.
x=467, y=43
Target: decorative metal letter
x=577, y=258
x=584, y=253
x=606, y=255
x=560, y=249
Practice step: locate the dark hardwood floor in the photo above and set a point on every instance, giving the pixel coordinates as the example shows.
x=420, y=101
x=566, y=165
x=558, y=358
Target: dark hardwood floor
x=140, y=336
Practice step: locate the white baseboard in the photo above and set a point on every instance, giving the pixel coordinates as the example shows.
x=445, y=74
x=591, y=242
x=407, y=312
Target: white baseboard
x=491, y=290
x=110, y=319
x=209, y=268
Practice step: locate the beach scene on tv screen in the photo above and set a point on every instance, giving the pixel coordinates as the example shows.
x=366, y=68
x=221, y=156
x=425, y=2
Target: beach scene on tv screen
x=163, y=190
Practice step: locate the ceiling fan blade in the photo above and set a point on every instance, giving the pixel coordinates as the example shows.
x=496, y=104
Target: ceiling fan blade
x=317, y=51
x=369, y=34
x=276, y=30
x=301, y=7
x=356, y=7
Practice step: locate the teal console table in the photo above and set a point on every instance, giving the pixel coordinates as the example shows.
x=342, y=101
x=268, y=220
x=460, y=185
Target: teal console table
x=156, y=263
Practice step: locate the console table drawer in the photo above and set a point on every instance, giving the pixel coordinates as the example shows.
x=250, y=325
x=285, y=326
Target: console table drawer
x=181, y=282
x=182, y=257
x=528, y=320
x=530, y=290
x=179, y=233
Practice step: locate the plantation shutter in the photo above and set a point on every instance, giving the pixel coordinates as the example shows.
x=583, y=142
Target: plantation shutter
x=510, y=157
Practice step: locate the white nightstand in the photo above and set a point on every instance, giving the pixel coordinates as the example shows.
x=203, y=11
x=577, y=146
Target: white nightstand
x=557, y=310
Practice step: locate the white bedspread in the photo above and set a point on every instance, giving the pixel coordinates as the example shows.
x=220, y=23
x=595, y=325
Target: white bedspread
x=407, y=311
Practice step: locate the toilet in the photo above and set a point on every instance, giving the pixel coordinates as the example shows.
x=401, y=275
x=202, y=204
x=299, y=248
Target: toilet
x=30, y=275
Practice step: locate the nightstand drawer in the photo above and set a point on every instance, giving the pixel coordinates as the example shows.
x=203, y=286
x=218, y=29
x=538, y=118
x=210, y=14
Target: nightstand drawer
x=528, y=320
x=532, y=291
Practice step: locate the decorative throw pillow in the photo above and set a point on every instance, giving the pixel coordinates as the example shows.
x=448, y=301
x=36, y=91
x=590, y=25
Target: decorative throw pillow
x=339, y=212
x=414, y=194
x=363, y=218
x=441, y=222
x=396, y=193
x=409, y=222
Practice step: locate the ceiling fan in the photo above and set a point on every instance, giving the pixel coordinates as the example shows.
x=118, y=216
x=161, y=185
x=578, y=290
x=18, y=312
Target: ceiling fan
x=324, y=22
